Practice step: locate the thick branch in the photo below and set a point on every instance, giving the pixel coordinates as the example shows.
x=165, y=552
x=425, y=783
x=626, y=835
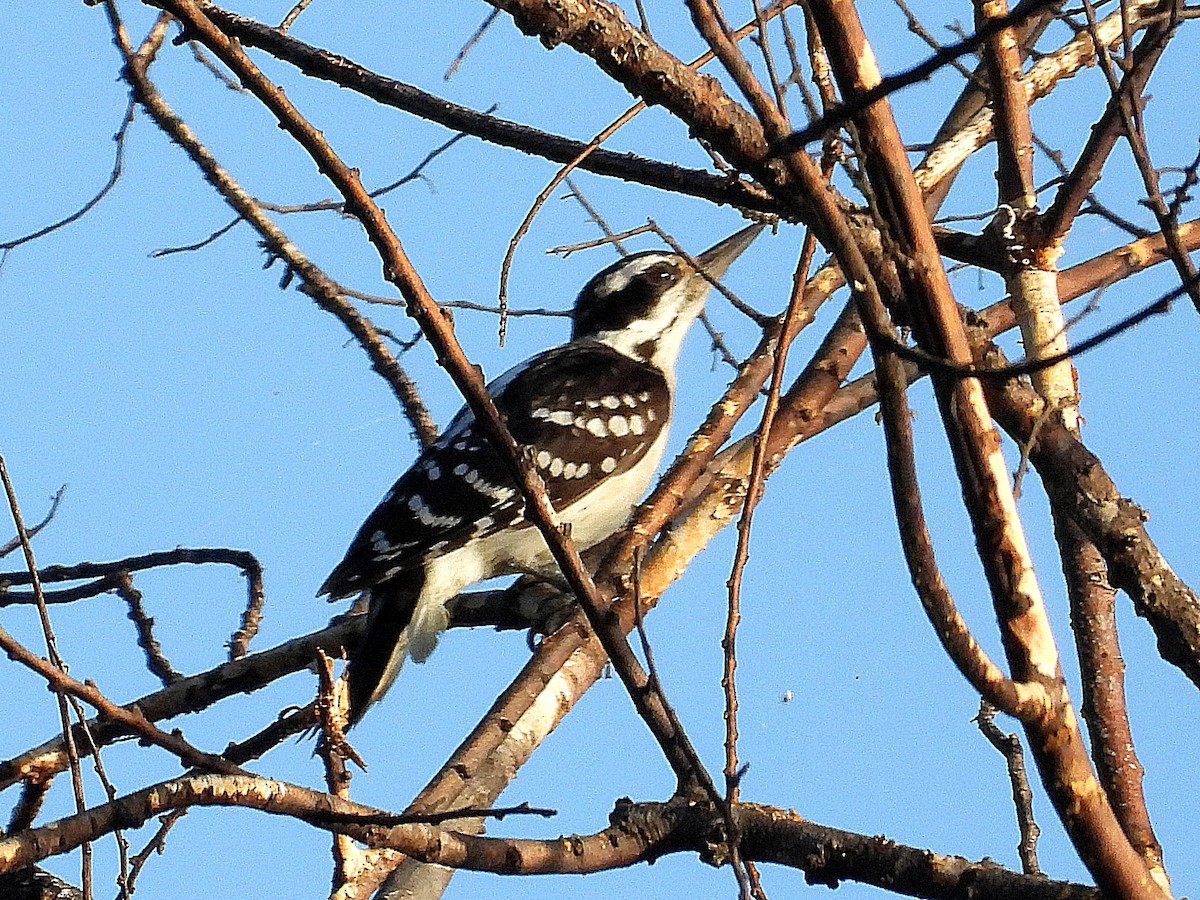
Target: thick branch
x=130, y=720
x=1102, y=678
x=346, y=73
x=637, y=833
x=1076, y=481
x=188, y=695
x=1025, y=628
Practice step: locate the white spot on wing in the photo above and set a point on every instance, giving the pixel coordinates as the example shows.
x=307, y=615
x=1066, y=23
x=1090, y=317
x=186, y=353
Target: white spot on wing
x=608, y=465
x=610, y=402
x=636, y=424
x=561, y=417
x=556, y=467
x=499, y=493
x=428, y=517
x=618, y=425
x=543, y=458
x=596, y=426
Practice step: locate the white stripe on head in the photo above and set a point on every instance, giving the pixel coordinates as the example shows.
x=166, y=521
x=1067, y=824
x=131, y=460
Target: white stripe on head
x=617, y=281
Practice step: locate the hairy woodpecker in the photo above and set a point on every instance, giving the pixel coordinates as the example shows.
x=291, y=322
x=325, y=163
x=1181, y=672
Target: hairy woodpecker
x=594, y=413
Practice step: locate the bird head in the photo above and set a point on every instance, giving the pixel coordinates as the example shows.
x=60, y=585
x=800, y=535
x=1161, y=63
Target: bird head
x=643, y=305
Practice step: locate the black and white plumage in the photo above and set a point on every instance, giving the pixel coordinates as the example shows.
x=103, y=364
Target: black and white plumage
x=594, y=414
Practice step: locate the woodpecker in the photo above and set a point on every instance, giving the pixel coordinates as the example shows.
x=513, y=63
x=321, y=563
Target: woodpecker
x=594, y=413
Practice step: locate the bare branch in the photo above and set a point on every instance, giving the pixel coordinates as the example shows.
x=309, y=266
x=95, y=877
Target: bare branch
x=862, y=99
x=156, y=662
x=639, y=832
x=1029, y=643
x=1102, y=673
x=1009, y=746
x=345, y=73
x=113, y=177
x=471, y=42
x=316, y=283
x=32, y=530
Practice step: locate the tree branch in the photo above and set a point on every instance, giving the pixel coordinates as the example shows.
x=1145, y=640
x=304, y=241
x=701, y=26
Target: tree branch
x=346, y=73
x=638, y=832
x=323, y=290
x=1029, y=644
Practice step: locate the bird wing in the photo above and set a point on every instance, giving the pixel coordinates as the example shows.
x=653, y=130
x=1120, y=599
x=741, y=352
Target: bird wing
x=584, y=411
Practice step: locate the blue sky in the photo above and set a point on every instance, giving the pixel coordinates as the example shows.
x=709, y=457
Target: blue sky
x=188, y=401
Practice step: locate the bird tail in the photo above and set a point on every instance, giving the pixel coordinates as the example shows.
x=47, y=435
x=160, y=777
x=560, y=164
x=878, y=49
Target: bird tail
x=376, y=661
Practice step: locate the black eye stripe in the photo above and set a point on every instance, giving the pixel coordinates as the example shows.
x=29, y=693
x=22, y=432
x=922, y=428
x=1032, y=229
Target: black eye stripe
x=659, y=274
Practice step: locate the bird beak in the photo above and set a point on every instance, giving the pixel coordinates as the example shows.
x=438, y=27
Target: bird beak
x=715, y=260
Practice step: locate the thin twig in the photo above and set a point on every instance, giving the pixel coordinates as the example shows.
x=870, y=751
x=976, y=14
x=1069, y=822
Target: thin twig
x=293, y=14
x=277, y=245
x=462, y=304
x=417, y=173
x=754, y=488
x=718, y=342
x=1158, y=307
x=1134, y=132
x=917, y=28
x=157, y=845
x=758, y=318
x=592, y=150
x=207, y=62
x=108, y=578
x=200, y=244
x=32, y=530
x=256, y=598
x=1010, y=748
x=471, y=42
x=565, y=250
x=639, y=617
x=594, y=216
x=113, y=177
x=54, y=663
x=156, y=662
